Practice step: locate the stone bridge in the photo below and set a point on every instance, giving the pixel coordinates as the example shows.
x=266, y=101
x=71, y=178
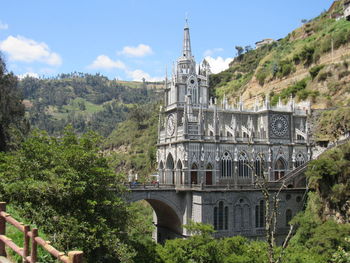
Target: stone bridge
x=171, y=209
x=176, y=205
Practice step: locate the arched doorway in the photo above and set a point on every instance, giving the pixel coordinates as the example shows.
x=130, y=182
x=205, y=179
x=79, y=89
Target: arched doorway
x=179, y=173
x=194, y=173
x=170, y=169
x=209, y=175
x=280, y=168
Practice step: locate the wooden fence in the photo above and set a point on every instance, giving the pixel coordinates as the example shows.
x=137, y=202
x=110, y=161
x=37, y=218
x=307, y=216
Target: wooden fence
x=31, y=240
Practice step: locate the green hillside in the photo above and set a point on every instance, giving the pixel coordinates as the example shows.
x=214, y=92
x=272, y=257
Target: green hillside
x=316, y=53
x=85, y=101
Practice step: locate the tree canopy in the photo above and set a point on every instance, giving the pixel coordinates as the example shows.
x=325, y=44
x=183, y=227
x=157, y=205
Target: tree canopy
x=13, y=125
x=64, y=186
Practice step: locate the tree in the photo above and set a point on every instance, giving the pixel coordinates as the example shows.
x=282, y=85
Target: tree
x=13, y=125
x=248, y=48
x=240, y=50
x=271, y=201
x=63, y=185
x=203, y=247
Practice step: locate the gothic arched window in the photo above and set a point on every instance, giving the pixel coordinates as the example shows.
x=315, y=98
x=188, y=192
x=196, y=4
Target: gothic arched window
x=161, y=172
x=209, y=175
x=288, y=216
x=194, y=174
x=179, y=172
x=226, y=165
x=259, y=169
x=299, y=160
x=221, y=217
x=280, y=168
x=242, y=215
x=170, y=176
x=243, y=169
x=260, y=214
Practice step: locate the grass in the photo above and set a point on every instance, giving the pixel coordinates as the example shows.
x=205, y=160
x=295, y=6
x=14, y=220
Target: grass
x=73, y=106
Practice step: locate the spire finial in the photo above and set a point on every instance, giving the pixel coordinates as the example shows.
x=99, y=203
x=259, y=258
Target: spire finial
x=186, y=52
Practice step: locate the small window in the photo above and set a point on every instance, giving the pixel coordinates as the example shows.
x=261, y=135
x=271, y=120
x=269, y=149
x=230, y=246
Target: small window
x=298, y=199
x=288, y=197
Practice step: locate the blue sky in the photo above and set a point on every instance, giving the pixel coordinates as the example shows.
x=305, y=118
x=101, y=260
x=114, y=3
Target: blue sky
x=131, y=39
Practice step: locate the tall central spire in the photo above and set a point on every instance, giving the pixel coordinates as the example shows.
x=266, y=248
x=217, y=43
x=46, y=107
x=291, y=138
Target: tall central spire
x=186, y=52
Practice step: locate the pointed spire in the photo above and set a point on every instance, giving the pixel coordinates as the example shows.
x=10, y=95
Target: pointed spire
x=186, y=52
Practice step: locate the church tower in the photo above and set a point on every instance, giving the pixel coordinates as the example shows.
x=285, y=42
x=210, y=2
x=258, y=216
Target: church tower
x=188, y=80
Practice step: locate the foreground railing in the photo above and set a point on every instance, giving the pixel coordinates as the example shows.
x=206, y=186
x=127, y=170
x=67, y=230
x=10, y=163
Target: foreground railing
x=31, y=240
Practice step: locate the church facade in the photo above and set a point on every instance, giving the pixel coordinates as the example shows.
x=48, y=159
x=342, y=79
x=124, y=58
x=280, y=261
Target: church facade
x=210, y=146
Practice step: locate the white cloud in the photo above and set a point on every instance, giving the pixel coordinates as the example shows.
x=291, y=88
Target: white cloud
x=3, y=26
x=140, y=51
x=210, y=52
x=27, y=50
x=138, y=75
x=218, y=64
x=104, y=62
x=28, y=74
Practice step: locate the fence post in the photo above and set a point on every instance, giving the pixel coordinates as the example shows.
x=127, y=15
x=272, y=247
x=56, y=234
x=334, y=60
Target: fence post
x=75, y=257
x=2, y=229
x=26, y=244
x=34, y=252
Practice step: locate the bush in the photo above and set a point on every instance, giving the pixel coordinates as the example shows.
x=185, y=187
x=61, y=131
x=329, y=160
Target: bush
x=261, y=75
x=306, y=55
x=315, y=70
x=324, y=75
x=285, y=68
x=343, y=74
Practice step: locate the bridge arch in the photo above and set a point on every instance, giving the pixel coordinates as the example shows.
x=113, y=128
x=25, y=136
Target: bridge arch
x=168, y=215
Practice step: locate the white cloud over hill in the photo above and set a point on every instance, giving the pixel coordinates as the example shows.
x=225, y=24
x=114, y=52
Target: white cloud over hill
x=218, y=64
x=27, y=50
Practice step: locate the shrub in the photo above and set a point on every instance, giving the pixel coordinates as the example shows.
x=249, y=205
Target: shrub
x=315, y=70
x=343, y=74
x=261, y=75
x=285, y=68
x=306, y=55
x=324, y=75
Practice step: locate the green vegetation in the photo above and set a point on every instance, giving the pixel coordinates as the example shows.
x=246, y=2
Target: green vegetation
x=325, y=224
x=301, y=49
x=203, y=247
x=315, y=70
x=13, y=125
x=63, y=186
x=133, y=143
x=332, y=124
x=82, y=100
x=299, y=90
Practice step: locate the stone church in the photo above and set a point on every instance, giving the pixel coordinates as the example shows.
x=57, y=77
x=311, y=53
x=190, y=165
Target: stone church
x=214, y=145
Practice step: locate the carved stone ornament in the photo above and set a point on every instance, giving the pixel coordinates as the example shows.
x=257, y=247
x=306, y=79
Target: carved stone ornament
x=279, y=125
x=217, y=157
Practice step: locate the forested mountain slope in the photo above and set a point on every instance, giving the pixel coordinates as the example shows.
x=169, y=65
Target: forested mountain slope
x=312, y=62
x=85, y=101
